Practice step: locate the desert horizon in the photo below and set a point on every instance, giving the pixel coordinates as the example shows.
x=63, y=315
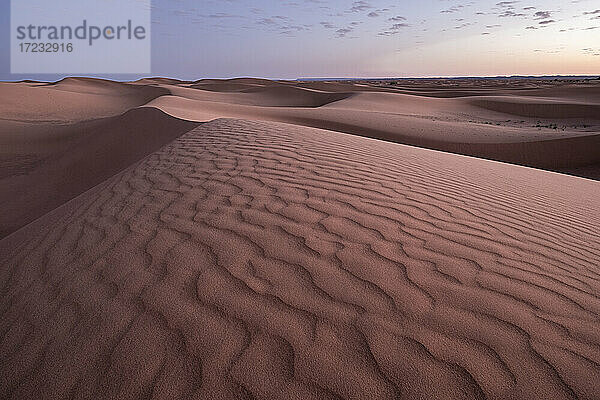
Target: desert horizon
x=382, y=201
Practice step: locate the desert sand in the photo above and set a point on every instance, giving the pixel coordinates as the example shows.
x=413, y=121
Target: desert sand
x=294, y=240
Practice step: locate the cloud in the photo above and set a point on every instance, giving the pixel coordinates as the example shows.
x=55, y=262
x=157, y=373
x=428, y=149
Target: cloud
x=266, y=21
x=397, y=19
x=507, y=9
x=595, y=14
x=358, y=6
x=464, y=25
x=342, y=32
x=542, y=15
x=453, y=9
x=394, y=29
x=506, y=3
x=282, y=25
x=590, y=51
x=511, y=13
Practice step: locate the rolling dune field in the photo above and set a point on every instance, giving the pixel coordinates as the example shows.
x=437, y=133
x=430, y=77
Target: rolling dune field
x=300, y=240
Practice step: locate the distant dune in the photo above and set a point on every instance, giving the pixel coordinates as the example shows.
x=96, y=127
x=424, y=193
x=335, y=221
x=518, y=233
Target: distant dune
x=250, y=239
x=72, y=99
x=540, y=108
x=529, y=125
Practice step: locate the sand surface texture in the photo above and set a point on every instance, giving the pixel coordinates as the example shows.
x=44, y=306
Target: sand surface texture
x=260, y=260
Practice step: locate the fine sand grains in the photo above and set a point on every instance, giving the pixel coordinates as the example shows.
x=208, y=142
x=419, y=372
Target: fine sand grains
x=262, y=260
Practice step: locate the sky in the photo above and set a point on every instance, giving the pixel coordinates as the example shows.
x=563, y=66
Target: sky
x=291, y=39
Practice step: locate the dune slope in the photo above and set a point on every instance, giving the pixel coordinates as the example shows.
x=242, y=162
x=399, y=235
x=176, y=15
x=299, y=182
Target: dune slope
x=261, y=260
x=46, y=165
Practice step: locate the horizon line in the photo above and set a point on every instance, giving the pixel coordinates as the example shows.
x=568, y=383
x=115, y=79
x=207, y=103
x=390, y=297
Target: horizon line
x=513, y=76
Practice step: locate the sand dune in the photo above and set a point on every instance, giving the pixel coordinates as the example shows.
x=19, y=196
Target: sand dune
x=261, y=260
x=539, y=108
x=45, y=166
x=242, y=81
x=372, y=115
x=273, y=96
x=292, y=97
x=71, y=99
x=160, y=80
x=233, y=85
x=223, y=86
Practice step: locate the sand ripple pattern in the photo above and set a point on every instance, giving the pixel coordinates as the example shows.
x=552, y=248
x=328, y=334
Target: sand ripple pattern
x=258, y=260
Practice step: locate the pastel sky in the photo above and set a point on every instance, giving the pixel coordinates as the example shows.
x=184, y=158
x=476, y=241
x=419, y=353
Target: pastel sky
x=370, y=38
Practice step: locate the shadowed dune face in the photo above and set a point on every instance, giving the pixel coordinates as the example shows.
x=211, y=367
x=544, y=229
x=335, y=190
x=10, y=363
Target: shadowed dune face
x=260, y=260
x=44, y=166
x=551, y=109
x=59, y=139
